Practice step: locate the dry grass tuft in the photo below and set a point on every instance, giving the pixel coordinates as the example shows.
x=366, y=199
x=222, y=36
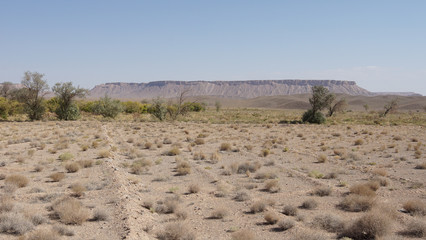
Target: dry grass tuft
x=356, y=203
x=56, y=177
x=6, y=203
x=243, y=235
x=169, y=205
x=309, y=204
x=421, y=165
x=365, y=189
x=415, y=207
x=85, y=163
x=272, y=185
x=330, y=223
x=176, y=231
x=285, y=224
x=380, y=171
x=72, y=167
x=372, y=225
x=104, y=154
x=43, y=234
x=258, y=206
x=241, y=196
x=183, y=168
x=78, y=189
x=219, y=213
x=322, y=158
x=359, y=142
x=70, y=211
x=248, y=166
x=290, y=210
x=416, y=228
x=322, y=191
x=271, y=217
x=193, y=188
x=173, y=152
x=100, y=215
x=17, y=180
x=225, y=147
x=14, y=223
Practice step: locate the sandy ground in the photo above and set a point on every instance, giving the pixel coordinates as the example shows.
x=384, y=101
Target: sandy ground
x=134, y=184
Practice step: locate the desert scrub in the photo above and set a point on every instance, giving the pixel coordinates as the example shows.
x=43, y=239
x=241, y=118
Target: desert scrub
x=85, y=163
x=17, y=180
x=415, y=207
x=272, y=186
x=183, y=168
x=258, y=206
x=140, y=166
x=271, y=218
x=43, y=234
x=416, y=228
x=199, y=141
x=225, y=147
x=421, y=165
x=70, y=211
x=359, y=142
x=215, y=158
x=77, y=189
x=193, y=188
x=218, y=213
x=56, y=177
x=66, y=156
x=176, y=231
x=72, y=167
x=330, y=223
x=290, y=210
x=104, y=154
x=14, y=223
x=372, y=225
x=173, y=152
x=285, y=224
x=100, y=215
x=315, y=174
x=244, y=234
x=365, y=189
x=356, y=203
x=169, y=205
x=322, y=191
x=309, y=204
x=322, y=158
x=248, y=167
x=265, y=152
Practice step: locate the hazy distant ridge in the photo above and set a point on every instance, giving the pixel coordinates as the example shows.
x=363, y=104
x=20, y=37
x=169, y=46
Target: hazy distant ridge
x=229, y=89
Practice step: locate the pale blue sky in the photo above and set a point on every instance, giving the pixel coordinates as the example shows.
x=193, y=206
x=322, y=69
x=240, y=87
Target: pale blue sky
x=380, y=44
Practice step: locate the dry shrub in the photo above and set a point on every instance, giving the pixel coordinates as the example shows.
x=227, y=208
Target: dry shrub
x=199, y=141
x=241, y=196
x=322, y=158
x=307, y=234
x=359, y=142
x=309, y=204
x=371, y=225
x=416, y=228
x=285, y=224
x=380, y=171
x=14, y=223
x=271, y=217
x=38, y=219
x=322, y=191
x=193, y=188
x=56, y=177
x=258, y=206
x=272, y=185
x=169, y=205
x=183, y=168
x=330, y=223
x=219, y=213
x=415, y=207
x=148, y=145
x=6, y=203
x=265, y=152
x=225, y=147
x=104, y=154
x=381, y=180
x=248, y=166
x=243, y=235
x=421, y=165
x=43, y=234
x=199, y=156
x=266, y=175
x=356, y=203
x=17, y=180
x=72, y=167
x=70, y=211
x=100, y=215
x=85, y=163
x=78, y=189
x=63, y=231
x=176, y=231
x=66, y=156
x=140, y=166
x=290, y=210
x=38, y=168
x=173, y=152
x=215, y=157
x=339, y=152
x=363, y=190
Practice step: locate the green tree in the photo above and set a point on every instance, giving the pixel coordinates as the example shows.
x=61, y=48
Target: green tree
x=6, y=89
x=108, y=107
x=66, y=94
x=321, y=99
x=338, y=106
x=32, y=94
x=158, y=109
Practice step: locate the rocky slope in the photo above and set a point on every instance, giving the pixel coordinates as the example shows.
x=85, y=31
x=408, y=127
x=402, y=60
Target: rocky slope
x=228, y=89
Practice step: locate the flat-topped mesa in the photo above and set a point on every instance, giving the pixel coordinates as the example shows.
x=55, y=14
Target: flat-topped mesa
x=230, y=89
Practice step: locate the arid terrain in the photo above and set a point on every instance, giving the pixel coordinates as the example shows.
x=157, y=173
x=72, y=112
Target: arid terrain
x=92, y=179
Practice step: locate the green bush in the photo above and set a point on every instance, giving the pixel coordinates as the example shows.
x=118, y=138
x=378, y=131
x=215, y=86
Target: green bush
x=86, y=106
x=107, y=107
x=317, y=118
x=71, y=113
x=134, y=107
x=158, y=109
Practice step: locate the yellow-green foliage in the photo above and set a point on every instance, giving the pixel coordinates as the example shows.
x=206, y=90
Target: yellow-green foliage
x=134, y=107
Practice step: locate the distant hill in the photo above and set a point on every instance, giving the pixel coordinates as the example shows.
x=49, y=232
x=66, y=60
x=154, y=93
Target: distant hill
x=227, y=89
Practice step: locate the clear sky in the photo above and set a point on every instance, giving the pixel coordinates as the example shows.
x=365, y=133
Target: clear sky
x=380, y=44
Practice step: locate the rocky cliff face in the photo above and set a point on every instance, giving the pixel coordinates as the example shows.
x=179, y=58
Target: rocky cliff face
x=229, y=89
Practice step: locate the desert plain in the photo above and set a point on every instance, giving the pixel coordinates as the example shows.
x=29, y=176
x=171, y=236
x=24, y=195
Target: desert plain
x=128, y=179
